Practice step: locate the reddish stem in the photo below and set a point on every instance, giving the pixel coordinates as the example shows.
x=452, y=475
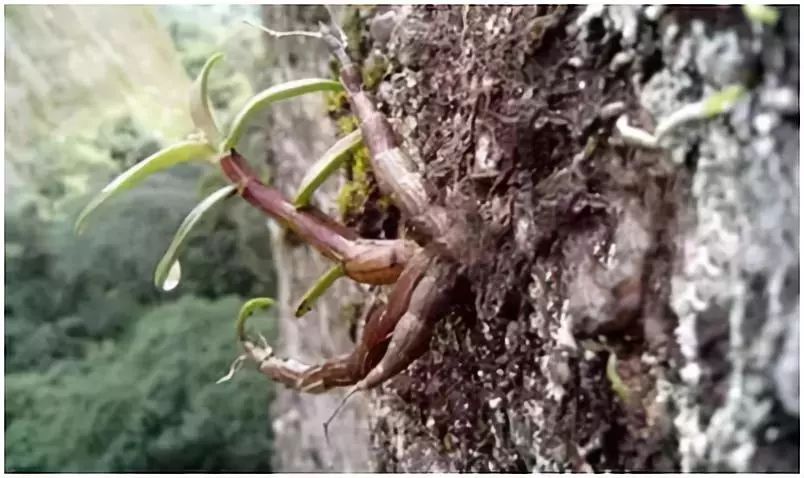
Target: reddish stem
x=329, y=237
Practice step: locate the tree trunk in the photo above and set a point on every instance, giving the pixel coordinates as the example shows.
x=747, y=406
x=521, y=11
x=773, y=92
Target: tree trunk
x=633, y=308
x=298, y=134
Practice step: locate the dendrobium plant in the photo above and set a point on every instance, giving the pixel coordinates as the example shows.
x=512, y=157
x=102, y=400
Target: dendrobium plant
x=421, y=267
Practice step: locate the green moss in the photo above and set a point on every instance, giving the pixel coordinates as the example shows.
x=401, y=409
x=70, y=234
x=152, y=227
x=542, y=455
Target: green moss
x=362, y=164
x=384, y=202
x=355, y=192
x=345, y=198
x=337, y=100
x=347, y=124
x=353, y=26
x=373, y=71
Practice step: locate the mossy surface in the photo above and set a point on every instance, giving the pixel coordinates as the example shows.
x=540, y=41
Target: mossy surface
x=347, y=124
x=336, y=101
x=373, y=71
x=360, y=186
x=356, y=191
x=354, y=26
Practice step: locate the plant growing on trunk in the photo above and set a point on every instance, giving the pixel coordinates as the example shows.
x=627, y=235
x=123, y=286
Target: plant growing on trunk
x=422, y=267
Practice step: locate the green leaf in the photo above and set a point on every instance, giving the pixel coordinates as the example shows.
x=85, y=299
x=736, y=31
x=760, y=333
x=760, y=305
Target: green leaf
x=723, y=100
x=762, y=13
x=163, y=277
x=199, y=102
x=620, y=388
x=324, y=167
x=168, y=157
x=271, y=95
x=248, y=310
x=321, y=285
x=173, y=277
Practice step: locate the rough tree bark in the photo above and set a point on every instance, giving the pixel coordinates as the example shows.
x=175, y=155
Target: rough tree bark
x=635, y=309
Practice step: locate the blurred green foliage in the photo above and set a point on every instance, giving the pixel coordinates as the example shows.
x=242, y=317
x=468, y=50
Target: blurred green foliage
x=103, y=371
x=196, y=42
x=62, y=289
x=147, y=402
x=91, y=384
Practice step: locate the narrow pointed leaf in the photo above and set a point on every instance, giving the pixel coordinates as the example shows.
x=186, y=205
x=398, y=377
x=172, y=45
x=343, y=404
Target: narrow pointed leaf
x=199, y=102
x=248, y=310
x=723, y=100
x=162, y=275
x=178, y=153
x=271, y=95
x=762, y=13
x=324, y=167
x=318, y=289
x=173, y=277
x=620, y=388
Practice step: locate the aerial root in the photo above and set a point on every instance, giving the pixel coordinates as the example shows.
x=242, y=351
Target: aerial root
x=354, y=389
x=278, y=34
x=234, y=368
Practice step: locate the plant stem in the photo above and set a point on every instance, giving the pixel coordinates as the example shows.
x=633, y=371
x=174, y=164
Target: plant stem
x=364, y=260
x=315, y=229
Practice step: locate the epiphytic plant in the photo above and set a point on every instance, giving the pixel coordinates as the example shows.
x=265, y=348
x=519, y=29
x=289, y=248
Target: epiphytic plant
x=715, y=104
x=422, y=267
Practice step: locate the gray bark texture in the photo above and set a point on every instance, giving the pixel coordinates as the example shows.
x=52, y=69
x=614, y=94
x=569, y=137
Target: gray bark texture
x=299, y=132
x=634, y=308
